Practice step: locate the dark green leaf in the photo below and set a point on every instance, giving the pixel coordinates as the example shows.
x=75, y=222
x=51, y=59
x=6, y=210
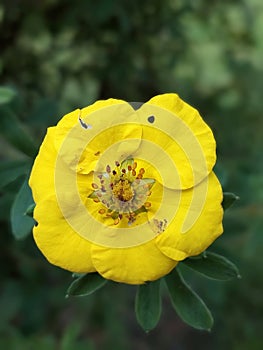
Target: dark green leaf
x=188, y=305
x=213, y=266
x=148, y=305
x=86, y=285
x=30, y=210
x=77, y=274
x=6, y=201
x=6, y=95
x=228, y=199
x=22, y=224
x=15, y=133
x=11, y=170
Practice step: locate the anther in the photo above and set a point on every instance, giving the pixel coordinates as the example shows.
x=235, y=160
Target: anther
x=134, y=166
x=114, y=172
x=123, y=171
x=96, y=200
x=133, y=172
x=116, y=221
x=117, y=163
x=129, y=167
x=142, y=171
x=95, y=186
x=102, y=211
x=147, y=204
x=108, y=169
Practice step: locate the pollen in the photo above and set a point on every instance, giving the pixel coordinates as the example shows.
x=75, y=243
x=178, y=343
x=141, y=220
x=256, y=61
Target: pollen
x=123, y=191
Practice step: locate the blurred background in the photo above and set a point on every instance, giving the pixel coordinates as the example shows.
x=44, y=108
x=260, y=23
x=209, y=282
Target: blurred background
x=59, y=55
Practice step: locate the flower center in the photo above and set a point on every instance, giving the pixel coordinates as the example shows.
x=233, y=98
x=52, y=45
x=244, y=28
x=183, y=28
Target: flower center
x=122, y=190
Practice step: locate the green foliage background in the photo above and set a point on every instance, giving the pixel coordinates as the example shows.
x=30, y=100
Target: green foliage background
x=59, y=55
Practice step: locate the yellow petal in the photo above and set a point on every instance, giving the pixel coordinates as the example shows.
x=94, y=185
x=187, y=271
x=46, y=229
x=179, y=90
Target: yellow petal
x=60, y=244
x=71, y=119
x=88, y=139
x=197, y=223
x=134, y=265
x=177, y=135
x=41, y=179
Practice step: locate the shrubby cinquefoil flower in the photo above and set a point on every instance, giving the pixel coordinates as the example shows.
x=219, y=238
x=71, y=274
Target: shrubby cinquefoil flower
x=127, y=193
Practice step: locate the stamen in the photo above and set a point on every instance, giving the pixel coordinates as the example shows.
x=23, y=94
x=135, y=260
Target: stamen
x=123, y=192
x=116, y=221
x=147, y=204
x=108, y=169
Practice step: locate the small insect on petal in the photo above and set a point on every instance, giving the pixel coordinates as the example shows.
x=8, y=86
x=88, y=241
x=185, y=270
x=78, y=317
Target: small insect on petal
x=84, y=125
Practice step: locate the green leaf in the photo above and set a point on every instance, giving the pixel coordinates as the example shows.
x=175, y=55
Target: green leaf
x=86, y=285
x=22, y=224
x=148, y=305
x=11, y=170
x=213, y=266
x=77, y=274
x=30, y=210
x=228, y=199
x=15, y=133
x=6, y=95
x=6, y=200
x=188, y=305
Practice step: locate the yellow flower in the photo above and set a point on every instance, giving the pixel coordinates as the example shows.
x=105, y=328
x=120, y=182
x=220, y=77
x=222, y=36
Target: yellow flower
x=127, y=193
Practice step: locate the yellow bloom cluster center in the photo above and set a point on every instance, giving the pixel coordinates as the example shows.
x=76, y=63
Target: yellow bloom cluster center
x=123, y=191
